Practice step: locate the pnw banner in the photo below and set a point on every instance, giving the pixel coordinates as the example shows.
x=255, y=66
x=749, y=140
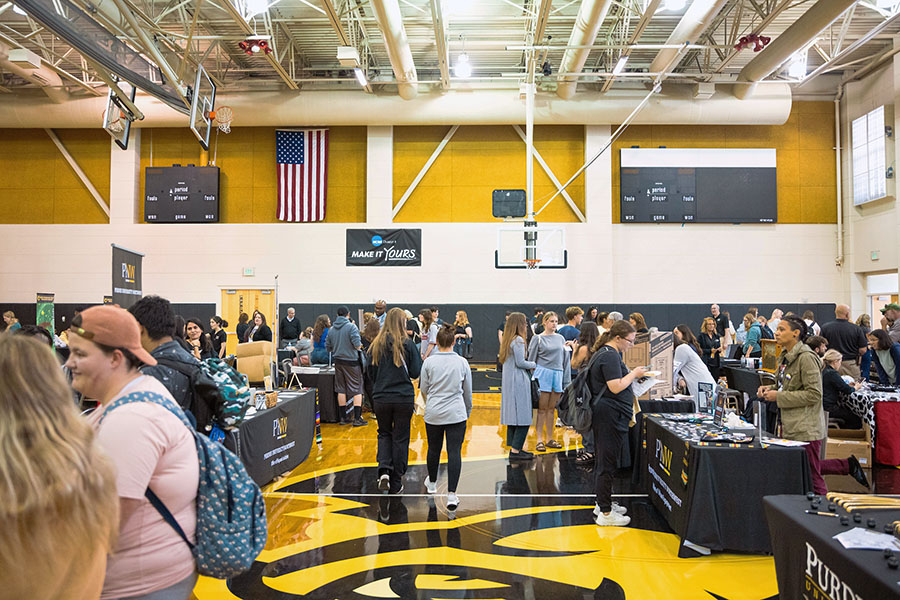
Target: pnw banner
x=46, y=312
x=126, y=276
x=384, y=247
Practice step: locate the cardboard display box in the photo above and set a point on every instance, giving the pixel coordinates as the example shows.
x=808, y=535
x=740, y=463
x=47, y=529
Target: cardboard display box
x=658, y=351
x=841, y=443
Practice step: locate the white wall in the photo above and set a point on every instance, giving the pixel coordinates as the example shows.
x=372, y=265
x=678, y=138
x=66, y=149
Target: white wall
x=607, y=263
x=872, y=226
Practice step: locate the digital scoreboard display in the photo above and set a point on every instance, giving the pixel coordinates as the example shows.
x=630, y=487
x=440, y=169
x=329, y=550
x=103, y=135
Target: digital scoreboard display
x=691, y=185
x=180, y=194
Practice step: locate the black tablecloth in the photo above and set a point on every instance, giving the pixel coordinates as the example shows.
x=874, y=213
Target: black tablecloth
x=711, y=494
x=277, y=439
x=324, y=383
x=638, y=458
x=808, y=561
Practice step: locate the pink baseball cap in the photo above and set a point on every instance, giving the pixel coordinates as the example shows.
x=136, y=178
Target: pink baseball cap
x=115, y=327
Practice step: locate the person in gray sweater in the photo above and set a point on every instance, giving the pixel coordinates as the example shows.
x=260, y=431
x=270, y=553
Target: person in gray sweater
x=446, y=385
x=515, y=390
x=553, y=373
x=344, y=342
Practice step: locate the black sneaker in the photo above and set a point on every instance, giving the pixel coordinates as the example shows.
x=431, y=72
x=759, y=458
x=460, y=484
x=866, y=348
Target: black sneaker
x=360, y=422
x=521, y=455
x=345, y=420
x=857, y=473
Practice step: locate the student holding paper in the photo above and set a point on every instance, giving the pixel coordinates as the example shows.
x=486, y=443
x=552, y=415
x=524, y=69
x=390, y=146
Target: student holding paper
x=611, y=379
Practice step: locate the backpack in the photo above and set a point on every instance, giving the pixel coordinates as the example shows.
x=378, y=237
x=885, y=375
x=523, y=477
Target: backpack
x=231, y=513
x=221, y=394
x=576, y=405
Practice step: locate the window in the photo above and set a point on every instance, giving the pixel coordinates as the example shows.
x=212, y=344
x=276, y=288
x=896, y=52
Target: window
x=868, y=157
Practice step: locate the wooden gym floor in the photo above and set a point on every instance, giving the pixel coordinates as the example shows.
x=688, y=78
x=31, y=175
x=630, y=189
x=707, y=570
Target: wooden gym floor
x=521, y=531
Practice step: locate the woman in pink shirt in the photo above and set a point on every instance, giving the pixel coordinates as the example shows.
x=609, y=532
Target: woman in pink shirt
x=149, y=446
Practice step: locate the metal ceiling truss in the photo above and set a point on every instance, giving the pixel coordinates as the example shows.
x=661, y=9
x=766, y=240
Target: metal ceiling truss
x=507, y=41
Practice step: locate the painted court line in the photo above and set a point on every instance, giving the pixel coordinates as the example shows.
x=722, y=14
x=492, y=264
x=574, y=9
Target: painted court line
x=341, y=494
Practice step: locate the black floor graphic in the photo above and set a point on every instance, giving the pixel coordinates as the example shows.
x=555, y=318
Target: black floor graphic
x=521, y=531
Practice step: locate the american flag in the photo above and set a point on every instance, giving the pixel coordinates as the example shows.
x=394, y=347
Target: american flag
x=302, y=157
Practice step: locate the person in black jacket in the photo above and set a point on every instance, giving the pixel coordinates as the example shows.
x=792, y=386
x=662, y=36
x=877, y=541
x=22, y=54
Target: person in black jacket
x=259, y=331
x=393, y=362
x=833, y=386
x=289, y=329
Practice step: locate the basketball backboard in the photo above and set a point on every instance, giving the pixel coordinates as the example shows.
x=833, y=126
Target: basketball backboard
x=117, y=118
x=202, y=102
x=550, y=247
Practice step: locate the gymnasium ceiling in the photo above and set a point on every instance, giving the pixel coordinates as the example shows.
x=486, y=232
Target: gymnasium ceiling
x=497, y=35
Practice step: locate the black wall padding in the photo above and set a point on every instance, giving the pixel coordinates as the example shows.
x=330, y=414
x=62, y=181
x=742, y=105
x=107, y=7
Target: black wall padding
x=26, y=313
x=485, y=319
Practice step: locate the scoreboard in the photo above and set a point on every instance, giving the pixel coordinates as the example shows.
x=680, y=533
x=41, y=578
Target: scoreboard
x=698, y=185
x=180, y=194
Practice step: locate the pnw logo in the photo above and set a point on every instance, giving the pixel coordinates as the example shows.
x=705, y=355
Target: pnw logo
x=280, y=428
x=129, y=272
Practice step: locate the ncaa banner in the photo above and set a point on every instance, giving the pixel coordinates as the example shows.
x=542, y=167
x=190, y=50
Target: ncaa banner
x=46, y=312
x=384, y=247
x=126, y=276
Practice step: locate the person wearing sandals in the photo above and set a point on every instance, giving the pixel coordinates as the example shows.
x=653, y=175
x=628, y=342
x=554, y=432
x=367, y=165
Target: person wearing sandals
x=446, y=384
x=515, y=389
x=553, y=373
x=611, y=380
x=581, y=357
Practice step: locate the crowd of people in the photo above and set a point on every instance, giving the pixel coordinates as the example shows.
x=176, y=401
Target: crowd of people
x=101, y=526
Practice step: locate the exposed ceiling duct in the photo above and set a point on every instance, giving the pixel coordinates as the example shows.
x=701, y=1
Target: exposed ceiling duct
x=49, y=81
x=697, y=18
x=794, y=38
x=587, y=24
x=390, y=21
x=770, y=106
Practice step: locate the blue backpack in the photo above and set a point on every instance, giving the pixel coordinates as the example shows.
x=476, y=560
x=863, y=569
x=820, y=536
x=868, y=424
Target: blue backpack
x=231, y=514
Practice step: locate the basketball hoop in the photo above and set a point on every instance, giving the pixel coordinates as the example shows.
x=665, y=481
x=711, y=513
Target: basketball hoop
x=115, y=125
x=223, y=116
x=532, y=263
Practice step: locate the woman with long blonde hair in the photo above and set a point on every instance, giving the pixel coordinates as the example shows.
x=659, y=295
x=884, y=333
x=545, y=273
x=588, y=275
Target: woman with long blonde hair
x=58, y=505
x=515, y=389
x=710, y=346
x=553, y=373
x=463, y=336
x=393, y=362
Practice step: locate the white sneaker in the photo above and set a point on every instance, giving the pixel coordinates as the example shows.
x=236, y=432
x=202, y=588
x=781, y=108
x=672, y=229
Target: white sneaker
x=613, y=519
x=384, y=483
x=452, y=501
x=615, y=508
x=430, y=486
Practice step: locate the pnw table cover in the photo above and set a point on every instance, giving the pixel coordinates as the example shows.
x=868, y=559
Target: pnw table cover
x=810, y=564
x=711, y=495
x=277, y=439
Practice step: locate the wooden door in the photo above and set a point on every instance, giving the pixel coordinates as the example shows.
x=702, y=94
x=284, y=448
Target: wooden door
x=237, y=301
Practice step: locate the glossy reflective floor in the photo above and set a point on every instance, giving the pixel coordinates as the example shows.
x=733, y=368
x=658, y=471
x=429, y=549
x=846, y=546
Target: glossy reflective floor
x=521, y=531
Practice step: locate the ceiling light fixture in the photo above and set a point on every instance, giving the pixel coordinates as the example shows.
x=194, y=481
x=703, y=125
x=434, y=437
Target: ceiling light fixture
x=463, y=66
x=19, y=11
x=620, y=66
x=360, y=76
x=255, y=7
x=674, y=4
x=797, y=65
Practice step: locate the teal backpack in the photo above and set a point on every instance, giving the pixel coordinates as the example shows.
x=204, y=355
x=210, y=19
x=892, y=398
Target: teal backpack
x=231, y=513
x=221, y=393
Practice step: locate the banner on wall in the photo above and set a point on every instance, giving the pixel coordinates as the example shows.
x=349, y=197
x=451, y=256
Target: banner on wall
x=384, y=247
x=46, y=312
x=126, y=276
